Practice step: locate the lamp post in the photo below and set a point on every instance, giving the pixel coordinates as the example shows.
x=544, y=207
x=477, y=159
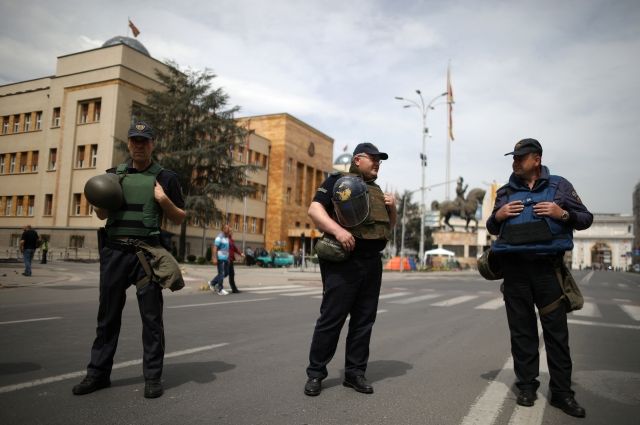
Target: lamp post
x=423, y=155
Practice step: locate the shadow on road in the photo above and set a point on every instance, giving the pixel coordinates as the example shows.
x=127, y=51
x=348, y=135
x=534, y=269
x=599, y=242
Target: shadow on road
x=378, y=370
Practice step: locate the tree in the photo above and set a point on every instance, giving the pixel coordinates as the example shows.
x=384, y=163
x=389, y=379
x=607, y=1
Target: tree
x=195, y=136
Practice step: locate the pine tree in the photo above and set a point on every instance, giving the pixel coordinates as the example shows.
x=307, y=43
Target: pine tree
x=195, y=135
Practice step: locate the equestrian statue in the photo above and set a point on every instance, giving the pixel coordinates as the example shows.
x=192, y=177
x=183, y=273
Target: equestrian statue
x=461, y=207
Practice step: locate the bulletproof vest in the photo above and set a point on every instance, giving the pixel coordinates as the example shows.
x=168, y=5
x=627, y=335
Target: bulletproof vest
x=140, y=215
x=528, y=232
x=377, y=225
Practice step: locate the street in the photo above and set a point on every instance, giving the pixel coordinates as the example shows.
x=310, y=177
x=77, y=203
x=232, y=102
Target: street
x=439, y=353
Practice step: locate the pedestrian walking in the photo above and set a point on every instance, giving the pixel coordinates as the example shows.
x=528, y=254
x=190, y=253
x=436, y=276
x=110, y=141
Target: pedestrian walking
x=28, y=245
x=220, y=254
x=353, y=210
x=534, y=216
x=233, y=250
x=44, y=248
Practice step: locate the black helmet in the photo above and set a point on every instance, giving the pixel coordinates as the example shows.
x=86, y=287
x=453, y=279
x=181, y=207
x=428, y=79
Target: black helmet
x=488, y=266
x=104, y=191
x=350, y=200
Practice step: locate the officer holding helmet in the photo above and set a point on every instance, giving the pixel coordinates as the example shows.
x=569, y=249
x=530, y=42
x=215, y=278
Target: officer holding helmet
x=134, y=198
x=534, y=217
x=355, y=211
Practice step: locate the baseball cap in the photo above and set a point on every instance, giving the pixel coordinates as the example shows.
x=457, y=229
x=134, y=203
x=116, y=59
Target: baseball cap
x=369, y=148
x=526, y=146
x=140, y=129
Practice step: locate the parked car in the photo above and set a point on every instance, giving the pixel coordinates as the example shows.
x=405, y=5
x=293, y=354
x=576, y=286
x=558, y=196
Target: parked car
x=276, y=259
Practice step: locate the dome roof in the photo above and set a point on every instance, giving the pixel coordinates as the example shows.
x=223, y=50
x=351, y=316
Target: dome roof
x=343, y=159
x=131, y=42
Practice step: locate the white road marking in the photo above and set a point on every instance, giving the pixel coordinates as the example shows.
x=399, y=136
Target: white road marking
x=632, y=310
x=416, y=299
x=604, y=325
x=220, y=302
x=314, y=291
x=454, y=301
x=393, y=295
x=488, y=405
x=278, y=291
x=622, y=300
x=588, y=310
x=377, y=312
x=585, y=280
x=622, y=285
x=82, y=373
x=30, y=320
x=262, y=288
x=494, y=304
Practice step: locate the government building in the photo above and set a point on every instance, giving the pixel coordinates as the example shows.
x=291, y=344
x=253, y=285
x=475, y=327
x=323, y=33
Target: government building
x=58, y=131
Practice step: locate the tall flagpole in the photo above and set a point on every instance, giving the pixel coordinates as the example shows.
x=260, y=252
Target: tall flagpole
x=450, y=138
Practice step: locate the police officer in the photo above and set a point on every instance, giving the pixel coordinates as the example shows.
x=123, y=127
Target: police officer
x=535, y=215
x=150, y=193
x=350, y=287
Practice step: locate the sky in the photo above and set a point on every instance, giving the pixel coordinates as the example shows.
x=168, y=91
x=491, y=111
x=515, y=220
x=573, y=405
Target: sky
x=563, y=72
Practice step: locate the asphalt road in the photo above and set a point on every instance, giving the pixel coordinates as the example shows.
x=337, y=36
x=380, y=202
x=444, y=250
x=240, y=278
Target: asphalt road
x=439, y=353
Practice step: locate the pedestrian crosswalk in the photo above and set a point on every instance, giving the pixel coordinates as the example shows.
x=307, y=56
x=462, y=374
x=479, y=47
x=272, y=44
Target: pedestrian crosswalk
x=478, y=300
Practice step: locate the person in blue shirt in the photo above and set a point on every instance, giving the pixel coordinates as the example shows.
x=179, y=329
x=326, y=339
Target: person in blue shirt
x=534, y=217
x=220, y=257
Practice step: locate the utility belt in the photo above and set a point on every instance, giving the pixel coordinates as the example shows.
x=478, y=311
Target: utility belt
x=130, y=245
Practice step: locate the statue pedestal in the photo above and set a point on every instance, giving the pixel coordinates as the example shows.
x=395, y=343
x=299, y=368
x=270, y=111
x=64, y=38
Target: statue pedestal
x=464, y=244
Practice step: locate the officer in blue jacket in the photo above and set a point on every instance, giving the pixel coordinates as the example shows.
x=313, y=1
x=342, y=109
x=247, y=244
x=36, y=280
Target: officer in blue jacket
x=534, y=217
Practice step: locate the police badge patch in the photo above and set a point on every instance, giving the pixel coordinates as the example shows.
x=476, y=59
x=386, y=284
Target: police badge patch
x=575, y=196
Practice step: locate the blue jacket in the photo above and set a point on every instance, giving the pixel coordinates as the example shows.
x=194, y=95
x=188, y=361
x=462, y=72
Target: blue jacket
x=566, y=197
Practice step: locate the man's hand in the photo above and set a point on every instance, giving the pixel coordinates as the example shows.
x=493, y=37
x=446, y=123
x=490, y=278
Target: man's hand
x=509, y=210
x=158, y=193
x=390, y=200
x=549, y=209
x=346, y=239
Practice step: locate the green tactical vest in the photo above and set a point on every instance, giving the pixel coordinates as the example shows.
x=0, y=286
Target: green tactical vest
x=377, y=225
x=140, y=215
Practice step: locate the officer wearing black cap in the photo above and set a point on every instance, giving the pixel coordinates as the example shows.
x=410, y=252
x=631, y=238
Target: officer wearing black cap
x=534, y=217
x=150, y=193
x=350, y=287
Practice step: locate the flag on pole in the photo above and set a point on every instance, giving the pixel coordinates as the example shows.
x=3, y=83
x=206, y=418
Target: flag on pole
x=134, y=29
x=345, y=148
x=450, y=101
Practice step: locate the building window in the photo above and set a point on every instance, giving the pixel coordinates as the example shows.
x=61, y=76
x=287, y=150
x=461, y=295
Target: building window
x=39, y=120
x=53, y=154
x=12, y=164
x=5, y=125
x=253, y=225
x=289, y=165
x=15, y=240
x=55, y=120
x=80, y=157
x=19, y=206
x=16, y=123
x=287, y=199
x=94, y=155
x=27, y=122
x=34, y=161
x=23, y=162
x=1, y=163
x=83, y=113
x=48, y=204
x=96, y=111
x=30, y=205
x=77, y=202
x=8, y=205
x=76, y=241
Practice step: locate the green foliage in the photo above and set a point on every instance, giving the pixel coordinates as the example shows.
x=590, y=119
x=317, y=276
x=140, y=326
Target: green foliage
x=191, y=258
x=412, y=225
x=201, y=260
x=195, y=133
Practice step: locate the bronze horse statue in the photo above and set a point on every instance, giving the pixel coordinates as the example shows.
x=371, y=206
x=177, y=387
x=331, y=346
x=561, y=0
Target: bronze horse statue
x=463, y=208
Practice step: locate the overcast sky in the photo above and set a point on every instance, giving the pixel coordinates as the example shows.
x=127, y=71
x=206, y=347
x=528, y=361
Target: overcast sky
x=563, y=72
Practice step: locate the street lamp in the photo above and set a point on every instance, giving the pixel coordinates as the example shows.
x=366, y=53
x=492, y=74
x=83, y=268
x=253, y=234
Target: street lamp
x=423, y=155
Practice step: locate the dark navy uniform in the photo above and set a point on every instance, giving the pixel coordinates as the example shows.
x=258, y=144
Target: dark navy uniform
x=119, y=269
x=350, y=288
x=530, y=279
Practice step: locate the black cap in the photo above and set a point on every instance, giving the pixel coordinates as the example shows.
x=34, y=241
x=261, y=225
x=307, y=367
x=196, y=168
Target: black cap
x=526, y=146
x=369, y=148
x=141, y=129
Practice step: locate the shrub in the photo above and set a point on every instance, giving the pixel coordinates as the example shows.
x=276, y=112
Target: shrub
x=191, y=258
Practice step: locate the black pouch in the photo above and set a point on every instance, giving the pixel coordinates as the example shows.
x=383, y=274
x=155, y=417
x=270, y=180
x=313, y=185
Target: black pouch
x=535, y=231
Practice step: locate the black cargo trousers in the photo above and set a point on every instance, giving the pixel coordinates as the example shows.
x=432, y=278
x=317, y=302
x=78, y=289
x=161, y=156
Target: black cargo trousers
x=350, y=288
x=530, y=280
x=119, y=269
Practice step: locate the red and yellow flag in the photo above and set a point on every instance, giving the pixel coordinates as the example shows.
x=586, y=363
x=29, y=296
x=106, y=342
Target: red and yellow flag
x=450, y=102
x=134, y=29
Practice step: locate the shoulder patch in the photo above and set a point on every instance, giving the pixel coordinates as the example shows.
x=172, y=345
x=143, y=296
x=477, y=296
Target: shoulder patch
x=322, y=189
x=575, y=196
